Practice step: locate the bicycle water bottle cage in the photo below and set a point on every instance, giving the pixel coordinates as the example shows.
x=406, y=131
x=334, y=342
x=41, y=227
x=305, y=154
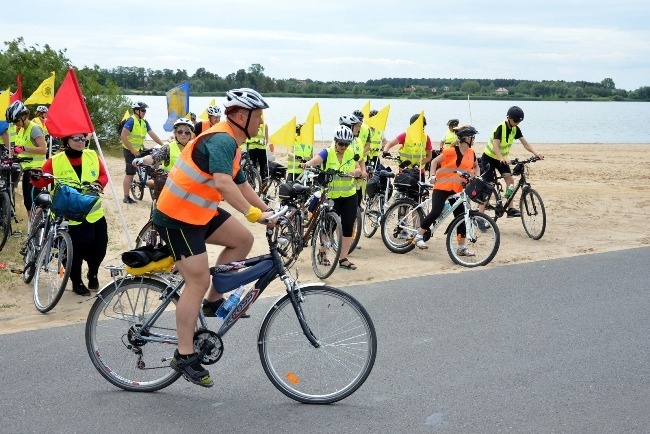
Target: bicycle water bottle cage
x=227, y=281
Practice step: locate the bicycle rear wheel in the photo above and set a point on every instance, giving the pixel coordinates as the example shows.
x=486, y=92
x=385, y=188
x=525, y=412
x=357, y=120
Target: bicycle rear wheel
x=371, y=216
x=356, y=232
x=335, y=370
x=533, y=213
x=5, y=218
x=290, y=238
x=148, y=236
x=326, y=245
x=127, y=361
x=400, y=224
x=270, y=189
x=52, y=271
x=254, y=179
x=482, y=240
x=30, y=249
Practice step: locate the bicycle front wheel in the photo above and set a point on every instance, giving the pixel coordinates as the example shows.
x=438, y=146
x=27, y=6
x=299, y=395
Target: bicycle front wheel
x=326, y=245
x=270, y=190
x=533, y=213
x=371, y=216
x=400, y=224
x=5, y=218
x=342, y=362
x=254, y=179
x=290, y=238
x=137, y=187
x=52, y=271
x=34, y=239
x=124, y=353
x=481, y=242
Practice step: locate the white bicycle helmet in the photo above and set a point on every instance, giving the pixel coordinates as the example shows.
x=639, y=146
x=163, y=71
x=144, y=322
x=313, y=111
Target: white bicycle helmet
x=349, y=120
x=245, y=98
x=15, y=110
x=139, y=105
x=214, y=110
x=183, y=121
x=41, y=109
x=343, y=134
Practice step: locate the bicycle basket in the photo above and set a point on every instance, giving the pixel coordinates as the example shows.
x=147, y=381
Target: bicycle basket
x=70, y=204
x=478, y=190
x=277, y=170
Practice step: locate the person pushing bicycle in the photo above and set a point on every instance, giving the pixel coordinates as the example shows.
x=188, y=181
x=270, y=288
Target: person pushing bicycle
x=187, y=216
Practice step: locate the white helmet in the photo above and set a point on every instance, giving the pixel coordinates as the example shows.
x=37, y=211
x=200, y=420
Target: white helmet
x=344, y=134
x=41, y=108
x=15, y=110
x=139, y=105
x=213, y=110
x=349, y=120
x=183, y=121
x=245, y=98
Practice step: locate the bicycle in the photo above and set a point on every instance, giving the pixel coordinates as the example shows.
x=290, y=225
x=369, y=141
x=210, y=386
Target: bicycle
x=378, y=192
x=404, y=216
x=317, y=344
x=139, y=181
x=531, y=206
x=250, y=171
x=9, y=174
x=148, y=235
x=272, y=183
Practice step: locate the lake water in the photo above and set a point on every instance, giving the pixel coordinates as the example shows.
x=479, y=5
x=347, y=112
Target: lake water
x=545, y=121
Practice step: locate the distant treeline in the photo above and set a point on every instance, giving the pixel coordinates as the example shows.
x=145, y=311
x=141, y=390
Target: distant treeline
x=141, y=80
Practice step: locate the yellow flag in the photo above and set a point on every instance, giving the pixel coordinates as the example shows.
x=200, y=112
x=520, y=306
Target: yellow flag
x=414, y=131
x=366, y=110
x=4, y=103
x=286, y=135
x=204, y=116
x=44, y=94
x=307, y=132
x=314, y=114
x=127, y=114
x=379, y=120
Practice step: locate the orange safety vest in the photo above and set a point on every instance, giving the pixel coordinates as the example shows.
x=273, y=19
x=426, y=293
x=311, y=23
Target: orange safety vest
x=446, y=177
x=190, y=194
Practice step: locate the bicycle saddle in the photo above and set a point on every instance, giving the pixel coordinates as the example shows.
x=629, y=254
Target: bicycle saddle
x=43, y=199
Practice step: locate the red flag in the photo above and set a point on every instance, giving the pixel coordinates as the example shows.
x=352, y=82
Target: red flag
x=18, y=94
x=68, y=113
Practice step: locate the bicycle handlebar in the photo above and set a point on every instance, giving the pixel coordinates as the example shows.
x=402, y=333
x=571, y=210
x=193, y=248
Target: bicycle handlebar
x=526, y=161
x=95, y=186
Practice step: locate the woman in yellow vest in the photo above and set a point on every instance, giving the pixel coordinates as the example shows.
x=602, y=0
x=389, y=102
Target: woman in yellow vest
x=299, y=154
x=459, y=157
x=167, y=154
x=342, y=190
x=450, y=134
x=188, y=216
x=89, y=237
x=418, y=153
x=359, y=146
x=30, y=144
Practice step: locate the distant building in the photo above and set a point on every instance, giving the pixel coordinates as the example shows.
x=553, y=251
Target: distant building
x=301, y=82
x=501, y=91
x=409, y=89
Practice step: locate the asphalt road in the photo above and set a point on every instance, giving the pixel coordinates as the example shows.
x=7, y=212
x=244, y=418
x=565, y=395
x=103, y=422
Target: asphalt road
x=550, y=346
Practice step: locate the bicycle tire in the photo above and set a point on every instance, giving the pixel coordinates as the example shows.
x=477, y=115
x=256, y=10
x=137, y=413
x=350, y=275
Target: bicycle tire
x=31, y=248
x=137, y=187
x=269, y=191
x=484, y=244
x=113, y=350
x=5, y=218
x=356, y=232
x=148, y=235
x=52, y=271
x=327, y=239
x=254, y=179
x=342, y=363
x=290, y=238
x=533, y=213
x=396, y=232
x=371, y=216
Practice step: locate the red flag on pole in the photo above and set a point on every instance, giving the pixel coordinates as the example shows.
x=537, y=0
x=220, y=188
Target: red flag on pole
x=18, y=94
x=68, y=113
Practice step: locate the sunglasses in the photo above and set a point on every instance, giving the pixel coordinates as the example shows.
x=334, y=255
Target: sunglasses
x=78, y=139
x=184, y=132
x=142, y=110
x=345, y=145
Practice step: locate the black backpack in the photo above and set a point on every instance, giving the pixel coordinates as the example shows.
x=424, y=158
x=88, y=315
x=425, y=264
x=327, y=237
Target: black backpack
x=120, y=126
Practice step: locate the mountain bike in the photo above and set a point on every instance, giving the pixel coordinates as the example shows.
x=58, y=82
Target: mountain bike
x=9, y=174
x=139, y=181
x=404, y=216
x=250, y=171
x=317, y=344
x=531, y=206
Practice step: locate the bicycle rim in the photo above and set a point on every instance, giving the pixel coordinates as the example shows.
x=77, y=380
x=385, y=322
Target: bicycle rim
x=5, y=218
x=270, y=192
x=148, y=236
x=326, y=245
x=120, y=357
x=254, y=179
x=483, y=245
x=533, y=213
x=400, y=224
x=52, y=272
x=289, y=240
x=137, y=188
x=371, y=217
x=335, y=370
x=31, y=253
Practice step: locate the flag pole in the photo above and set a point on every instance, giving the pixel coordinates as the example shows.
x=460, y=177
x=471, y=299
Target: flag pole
x=110, y=182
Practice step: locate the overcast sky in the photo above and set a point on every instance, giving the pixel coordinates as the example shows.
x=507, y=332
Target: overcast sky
x=332, y=40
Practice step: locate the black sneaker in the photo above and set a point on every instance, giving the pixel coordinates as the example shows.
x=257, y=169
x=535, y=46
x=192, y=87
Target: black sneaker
x=93, y=283
x=210, y=308
x=80, y=289
x=128, y=200
x=513, y=212
x=191, y=368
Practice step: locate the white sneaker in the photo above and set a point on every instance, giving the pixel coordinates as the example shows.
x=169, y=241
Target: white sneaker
x=420, y=243
x=464, y=251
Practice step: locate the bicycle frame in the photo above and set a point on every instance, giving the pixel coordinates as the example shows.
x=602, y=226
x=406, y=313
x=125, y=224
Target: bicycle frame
x=522, y=184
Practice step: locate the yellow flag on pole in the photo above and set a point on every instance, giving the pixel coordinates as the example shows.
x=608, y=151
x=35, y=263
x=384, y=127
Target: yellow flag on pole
x=307, y=132
x=314, y=114
x=204, y=116
x=127, y=114
x=44, y=94
x=286, y=135
x=4, y=103
x=366, y=110
x=379, y=120
x=415, y=130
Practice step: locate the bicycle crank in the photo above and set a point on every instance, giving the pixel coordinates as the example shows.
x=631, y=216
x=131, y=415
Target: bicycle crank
x=208, y=345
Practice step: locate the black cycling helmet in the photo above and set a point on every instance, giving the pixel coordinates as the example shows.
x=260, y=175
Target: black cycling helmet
x=516, y=113
x=372, y=113
x=359, y=114
x=298, y=128
x=465, y=131
x=453, y=122
x=415, y=118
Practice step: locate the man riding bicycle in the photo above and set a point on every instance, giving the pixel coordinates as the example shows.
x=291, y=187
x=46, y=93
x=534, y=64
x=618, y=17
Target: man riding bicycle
x=188, y=216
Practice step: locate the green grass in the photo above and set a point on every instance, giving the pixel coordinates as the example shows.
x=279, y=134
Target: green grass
x=11, y=252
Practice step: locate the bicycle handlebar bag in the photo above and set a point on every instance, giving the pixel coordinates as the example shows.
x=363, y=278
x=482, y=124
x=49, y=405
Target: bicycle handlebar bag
x=70, y=204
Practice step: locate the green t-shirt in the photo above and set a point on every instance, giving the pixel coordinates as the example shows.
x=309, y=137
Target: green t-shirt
x=214, y=155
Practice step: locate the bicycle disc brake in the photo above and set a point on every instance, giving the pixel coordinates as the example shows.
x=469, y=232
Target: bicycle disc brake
x=208, y=345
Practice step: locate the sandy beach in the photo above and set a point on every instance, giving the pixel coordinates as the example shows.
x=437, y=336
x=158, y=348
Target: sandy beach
x=594, y=202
